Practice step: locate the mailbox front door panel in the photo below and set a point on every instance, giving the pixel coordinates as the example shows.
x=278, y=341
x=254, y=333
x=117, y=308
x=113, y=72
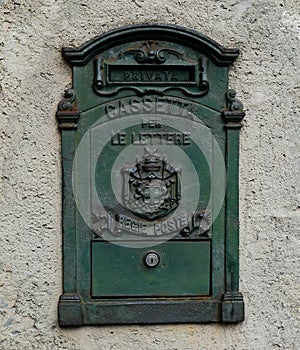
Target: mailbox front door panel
x=150, y=175
x=183, y=270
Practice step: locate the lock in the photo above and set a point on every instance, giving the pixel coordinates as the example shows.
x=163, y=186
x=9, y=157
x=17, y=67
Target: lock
x=151, y=259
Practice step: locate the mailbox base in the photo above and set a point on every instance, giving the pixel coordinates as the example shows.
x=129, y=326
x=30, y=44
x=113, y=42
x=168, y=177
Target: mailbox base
x=73, y=312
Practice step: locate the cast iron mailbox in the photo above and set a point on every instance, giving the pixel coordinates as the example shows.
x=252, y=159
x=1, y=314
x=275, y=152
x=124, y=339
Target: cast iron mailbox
x=150, y=149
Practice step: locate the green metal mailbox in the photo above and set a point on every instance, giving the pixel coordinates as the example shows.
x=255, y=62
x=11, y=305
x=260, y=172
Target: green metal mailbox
x=150, y=150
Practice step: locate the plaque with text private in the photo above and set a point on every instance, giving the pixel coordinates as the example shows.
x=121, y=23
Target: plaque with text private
x=150, y=149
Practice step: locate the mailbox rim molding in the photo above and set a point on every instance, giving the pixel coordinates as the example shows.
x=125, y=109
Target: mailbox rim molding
x=81, y=55
x=73, y=308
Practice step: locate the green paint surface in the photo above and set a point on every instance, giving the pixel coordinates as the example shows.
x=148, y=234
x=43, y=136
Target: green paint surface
x=184, y=269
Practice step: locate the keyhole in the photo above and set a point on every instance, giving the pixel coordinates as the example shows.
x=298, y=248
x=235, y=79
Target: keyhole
x=151, y=259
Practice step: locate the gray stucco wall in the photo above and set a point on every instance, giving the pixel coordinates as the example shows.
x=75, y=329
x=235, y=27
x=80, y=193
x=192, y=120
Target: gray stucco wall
x=33, y=77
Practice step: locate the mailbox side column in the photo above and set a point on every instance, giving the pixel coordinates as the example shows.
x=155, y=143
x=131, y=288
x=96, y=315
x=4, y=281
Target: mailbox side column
x=233, y=304
x=69, y=302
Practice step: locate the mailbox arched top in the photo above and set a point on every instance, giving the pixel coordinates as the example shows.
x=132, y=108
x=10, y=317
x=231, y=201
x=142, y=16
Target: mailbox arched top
x=197, y=41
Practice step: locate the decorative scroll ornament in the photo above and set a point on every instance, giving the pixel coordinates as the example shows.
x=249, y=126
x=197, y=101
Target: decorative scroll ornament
x=67, y=113
x=151, y=55
x=201, y=222
x=233, y=103
x=151, y=189
x=67, y=103
x=234, y=113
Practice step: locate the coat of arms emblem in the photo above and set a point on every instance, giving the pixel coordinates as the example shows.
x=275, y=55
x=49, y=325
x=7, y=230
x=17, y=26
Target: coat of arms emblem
x=151, y=188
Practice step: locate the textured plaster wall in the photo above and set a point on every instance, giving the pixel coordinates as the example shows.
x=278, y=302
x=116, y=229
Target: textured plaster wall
x=33, y=77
